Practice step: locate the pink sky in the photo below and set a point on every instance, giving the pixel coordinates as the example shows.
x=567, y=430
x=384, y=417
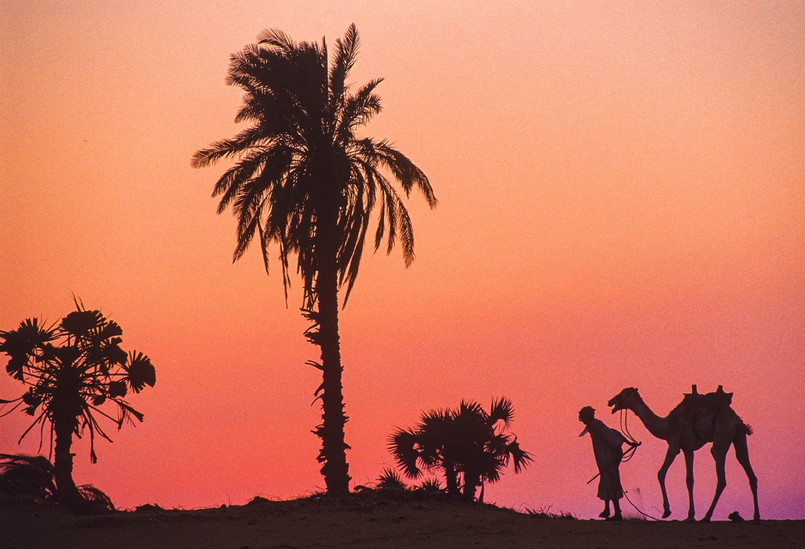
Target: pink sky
x=622, y=203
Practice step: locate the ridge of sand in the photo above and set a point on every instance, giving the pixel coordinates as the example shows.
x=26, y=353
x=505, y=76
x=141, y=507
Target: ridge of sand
x=372, y=519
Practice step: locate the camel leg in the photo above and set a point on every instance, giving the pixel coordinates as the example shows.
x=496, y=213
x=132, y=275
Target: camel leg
x=670, y=456
x=689, y=481
x=742, y=454
x=719, y=452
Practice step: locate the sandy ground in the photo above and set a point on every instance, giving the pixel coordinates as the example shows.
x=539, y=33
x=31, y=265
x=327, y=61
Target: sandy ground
x=366, y=520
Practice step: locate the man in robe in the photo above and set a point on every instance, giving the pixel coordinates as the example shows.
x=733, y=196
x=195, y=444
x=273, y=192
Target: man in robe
x=607, y=444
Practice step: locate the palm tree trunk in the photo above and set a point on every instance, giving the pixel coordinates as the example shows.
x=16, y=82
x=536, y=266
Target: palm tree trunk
x=333, y=451
x=450, y=479
x=67, y=492
x=471, y=482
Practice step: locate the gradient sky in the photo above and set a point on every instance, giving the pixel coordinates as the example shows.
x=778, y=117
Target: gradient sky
x=622, y=203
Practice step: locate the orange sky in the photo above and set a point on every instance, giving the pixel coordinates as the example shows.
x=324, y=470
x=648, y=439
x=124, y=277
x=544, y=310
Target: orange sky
x=622, y=203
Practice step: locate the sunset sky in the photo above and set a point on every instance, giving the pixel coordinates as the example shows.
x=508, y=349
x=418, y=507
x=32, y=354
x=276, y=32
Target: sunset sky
x=621, y=195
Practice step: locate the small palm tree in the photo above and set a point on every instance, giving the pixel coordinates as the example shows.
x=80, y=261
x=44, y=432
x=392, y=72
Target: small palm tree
x=32, y=477
x=305, y=181
x=390, y=479
x=468, y=445
x=74, y=370
x=430, y=445
x=28, y=476
x=430, y=485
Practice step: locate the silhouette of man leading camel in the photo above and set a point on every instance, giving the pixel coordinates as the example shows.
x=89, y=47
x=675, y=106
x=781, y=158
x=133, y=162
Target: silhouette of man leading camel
x=698, y=420
x=607, y=448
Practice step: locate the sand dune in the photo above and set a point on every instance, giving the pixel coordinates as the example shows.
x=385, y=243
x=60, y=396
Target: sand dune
x=365, y=520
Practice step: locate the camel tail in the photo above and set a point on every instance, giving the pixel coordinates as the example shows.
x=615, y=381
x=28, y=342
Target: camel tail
x=747, y=428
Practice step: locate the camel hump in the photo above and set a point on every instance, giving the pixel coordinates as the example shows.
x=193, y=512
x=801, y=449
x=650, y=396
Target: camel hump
x=711, y=402
x=698, y=405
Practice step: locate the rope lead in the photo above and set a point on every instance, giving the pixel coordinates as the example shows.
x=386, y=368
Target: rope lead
x=629, y=454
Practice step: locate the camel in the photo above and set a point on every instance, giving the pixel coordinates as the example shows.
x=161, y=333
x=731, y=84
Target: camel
x=697, y=420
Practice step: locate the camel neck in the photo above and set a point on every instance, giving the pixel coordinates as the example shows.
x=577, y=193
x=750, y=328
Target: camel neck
x=656, y=425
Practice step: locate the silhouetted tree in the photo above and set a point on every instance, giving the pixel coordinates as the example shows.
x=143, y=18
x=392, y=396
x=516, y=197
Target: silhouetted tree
x=304, y=180
x=28, y=476
x=432, y=444
x=390, y=479
x=33, y=477
x=466, y=444
x=73, y=370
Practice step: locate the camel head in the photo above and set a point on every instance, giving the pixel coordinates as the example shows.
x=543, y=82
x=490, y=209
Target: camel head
x=624, y=399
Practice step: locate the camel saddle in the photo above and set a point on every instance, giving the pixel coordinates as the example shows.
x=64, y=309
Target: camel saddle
x=701, y=410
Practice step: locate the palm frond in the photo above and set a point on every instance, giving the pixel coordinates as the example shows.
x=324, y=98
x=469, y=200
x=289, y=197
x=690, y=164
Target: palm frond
x=403, y=446
x=25, y=344
x=277, y=39
x=228, y=148
x=405, y=171
x=357, y=110
x=43, y=415
x=346, y=53
x=141, y=372
x=82, y=322
x=502, y=409
x=390, y=479
x=519, y=457
x=28, y=476
x=96, y=497
x=430, y=485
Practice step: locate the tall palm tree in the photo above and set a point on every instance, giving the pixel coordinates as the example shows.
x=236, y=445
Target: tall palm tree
x=465, y=442
x=73, y=370
x=305, y=181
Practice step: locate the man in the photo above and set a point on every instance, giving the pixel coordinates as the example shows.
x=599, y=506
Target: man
x=607, y=444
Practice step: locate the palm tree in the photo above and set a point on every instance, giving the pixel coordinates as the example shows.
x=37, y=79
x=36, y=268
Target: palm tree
x=32, y=477
x=73, y=370
x=466, y=442
x=432, y=444
x=305, y=181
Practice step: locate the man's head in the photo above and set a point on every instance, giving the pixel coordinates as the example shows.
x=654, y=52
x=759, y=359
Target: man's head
x=586, y=414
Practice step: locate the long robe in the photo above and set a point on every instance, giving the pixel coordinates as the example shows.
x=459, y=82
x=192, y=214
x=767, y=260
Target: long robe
x=607, y=444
